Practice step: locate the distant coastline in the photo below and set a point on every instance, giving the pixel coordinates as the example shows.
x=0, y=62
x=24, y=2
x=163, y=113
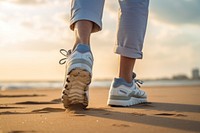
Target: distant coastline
x=6, y=85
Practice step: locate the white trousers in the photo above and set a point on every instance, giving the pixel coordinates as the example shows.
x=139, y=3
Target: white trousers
x=132, y=22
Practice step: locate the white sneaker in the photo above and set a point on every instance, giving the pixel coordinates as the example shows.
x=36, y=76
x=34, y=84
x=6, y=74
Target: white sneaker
x=126, y=94
x=77, y=76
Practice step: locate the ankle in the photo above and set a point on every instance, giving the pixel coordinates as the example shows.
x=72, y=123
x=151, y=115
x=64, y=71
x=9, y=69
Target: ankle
x=82, y=41
x=77, y=43
x=126, y=78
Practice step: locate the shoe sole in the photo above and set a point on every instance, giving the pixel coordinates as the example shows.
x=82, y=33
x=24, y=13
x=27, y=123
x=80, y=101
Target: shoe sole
x=126, y=103
x=76, y=89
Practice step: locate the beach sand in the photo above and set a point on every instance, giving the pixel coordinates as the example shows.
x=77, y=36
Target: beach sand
x=170, y=109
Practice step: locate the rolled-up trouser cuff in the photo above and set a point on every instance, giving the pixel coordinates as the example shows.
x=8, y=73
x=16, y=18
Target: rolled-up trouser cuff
x=90, y=10
x=127, y=52
x=86, y=15
x=133, y=15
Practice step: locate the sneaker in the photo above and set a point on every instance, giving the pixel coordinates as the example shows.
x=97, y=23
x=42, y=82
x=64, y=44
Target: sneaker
x=78, y=75
x=126, y=94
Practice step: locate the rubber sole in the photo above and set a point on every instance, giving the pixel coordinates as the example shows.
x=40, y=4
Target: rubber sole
x=75, y=92
x=126, y=103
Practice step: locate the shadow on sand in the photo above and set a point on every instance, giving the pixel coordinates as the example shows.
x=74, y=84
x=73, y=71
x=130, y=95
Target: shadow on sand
x=163, y=119
x=18, y=96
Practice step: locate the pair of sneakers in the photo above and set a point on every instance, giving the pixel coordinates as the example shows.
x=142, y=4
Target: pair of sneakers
x=79, y=63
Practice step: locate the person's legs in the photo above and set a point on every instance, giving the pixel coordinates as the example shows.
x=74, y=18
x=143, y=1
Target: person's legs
x=82, y=30
x=126, y=68
x=85, y=19
x=130, y=36
x=124, y=91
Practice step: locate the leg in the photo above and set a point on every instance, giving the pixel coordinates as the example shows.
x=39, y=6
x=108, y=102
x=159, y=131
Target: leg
x=126, y=68
x=130, y=36
x=85, y=19
x=124, y=91
x=83, y=29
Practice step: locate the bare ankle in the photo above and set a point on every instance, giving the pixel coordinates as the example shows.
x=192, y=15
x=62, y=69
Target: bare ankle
x=76, y=43
x=126, y=78
x=83, y=30
x=126, y=68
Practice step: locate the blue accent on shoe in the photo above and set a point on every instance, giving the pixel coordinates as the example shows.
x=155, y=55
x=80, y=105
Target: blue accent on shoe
x=82, y=48
x=121, y=81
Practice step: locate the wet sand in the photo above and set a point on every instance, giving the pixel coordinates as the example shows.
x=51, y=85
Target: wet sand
x=170, y=109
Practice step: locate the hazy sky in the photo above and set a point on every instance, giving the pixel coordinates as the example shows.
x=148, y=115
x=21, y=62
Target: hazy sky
x=33, y=31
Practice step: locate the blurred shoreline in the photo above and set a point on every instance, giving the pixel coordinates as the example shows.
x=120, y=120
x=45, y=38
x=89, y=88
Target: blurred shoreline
x=7, y=85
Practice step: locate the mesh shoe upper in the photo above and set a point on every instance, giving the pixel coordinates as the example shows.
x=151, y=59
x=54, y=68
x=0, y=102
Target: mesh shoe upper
x=121, y=88
x=126, y=94
x=78, y=73
x=80, y=57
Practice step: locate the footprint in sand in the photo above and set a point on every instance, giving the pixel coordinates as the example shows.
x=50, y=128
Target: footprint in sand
x=48, y=110
x=106, y=114
x=44, y=110
x=120, y=125
x=171, y=114
x=138, y=114
x=10, y=113
x=55, y=101
x=18, y=131
x=6, y=107
x=10, y=96
x=76, y=111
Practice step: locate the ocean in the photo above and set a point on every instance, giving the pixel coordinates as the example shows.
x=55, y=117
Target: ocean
x=54, y=85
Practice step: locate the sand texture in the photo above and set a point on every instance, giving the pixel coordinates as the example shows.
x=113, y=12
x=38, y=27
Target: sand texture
x=170, y=110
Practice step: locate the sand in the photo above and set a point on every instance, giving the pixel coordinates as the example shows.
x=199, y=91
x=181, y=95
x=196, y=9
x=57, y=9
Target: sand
x=170, y=110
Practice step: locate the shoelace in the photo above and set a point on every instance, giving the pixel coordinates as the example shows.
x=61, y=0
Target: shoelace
x=138, y=82
x=65, y=53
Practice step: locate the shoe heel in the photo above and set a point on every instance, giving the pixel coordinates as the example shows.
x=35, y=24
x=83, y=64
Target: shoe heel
x=75, y=88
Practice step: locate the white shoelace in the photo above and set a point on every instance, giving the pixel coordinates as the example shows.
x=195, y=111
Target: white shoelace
x=65, y=53
x=137, y=81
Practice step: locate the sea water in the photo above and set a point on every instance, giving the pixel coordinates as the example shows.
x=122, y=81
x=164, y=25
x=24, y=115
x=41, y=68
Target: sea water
x=101, y=83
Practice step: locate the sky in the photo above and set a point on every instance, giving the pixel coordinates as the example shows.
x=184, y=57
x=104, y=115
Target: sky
x=33, y=31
